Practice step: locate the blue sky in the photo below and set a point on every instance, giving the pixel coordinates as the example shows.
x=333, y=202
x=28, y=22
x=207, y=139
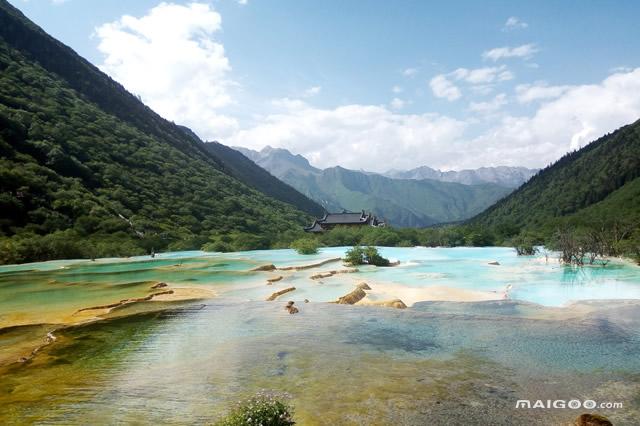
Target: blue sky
x=375, y=84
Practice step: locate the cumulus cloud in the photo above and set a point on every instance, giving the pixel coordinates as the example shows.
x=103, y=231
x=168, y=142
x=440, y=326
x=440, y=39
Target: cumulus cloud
x=396, y=89
x=376, y=138
x=525, y=51
x=578, y=116
x=355, y=136
x=483, y=75
x=170, y=58
x=481, y=80
x=442, y=87
x=514, y=23
x=490, y=106
x=527, y=93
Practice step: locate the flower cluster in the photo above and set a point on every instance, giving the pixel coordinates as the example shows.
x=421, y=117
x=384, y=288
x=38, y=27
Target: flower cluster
x=264, y=409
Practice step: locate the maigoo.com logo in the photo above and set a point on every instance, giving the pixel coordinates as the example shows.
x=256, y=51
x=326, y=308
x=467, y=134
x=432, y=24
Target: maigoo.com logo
x=574, y=404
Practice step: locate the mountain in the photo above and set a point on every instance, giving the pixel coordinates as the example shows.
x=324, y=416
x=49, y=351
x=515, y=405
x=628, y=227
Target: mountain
x=86, y=169
x=250, y=173
x=594, y=186
x=279, y=161
x=510, y=177
x=402, y=202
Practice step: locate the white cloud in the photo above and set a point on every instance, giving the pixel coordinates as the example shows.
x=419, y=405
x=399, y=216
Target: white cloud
x=527, y=93
x=397, y=89
x=376, y=138
x=578, y=116
x=483, y=75
x=356, y=136
x=489, y=107
x=410, y=72
x=242, y=2
x=397, y=103
x=514, y=23
x=443, y=88
x=525, y=51
x=312, y=91
x=171, y=59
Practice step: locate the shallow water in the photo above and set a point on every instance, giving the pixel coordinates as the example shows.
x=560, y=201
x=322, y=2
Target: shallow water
x=436, y=363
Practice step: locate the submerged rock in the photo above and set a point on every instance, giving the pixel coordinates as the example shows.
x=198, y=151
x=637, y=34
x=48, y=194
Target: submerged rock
x=313, y=265
x=353, y=297
x=274, y=280
x=332, y=273
x=159, y=285
x=270, y=267
x=290, y=308
x=277, y=294
x=395, y=303
x=592, y=420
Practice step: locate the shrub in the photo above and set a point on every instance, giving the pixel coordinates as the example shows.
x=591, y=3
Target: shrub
x=305, y=246
x=263, y=410
x=365, y=255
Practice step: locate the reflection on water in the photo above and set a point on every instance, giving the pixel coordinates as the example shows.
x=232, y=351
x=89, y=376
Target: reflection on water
x=436, y=363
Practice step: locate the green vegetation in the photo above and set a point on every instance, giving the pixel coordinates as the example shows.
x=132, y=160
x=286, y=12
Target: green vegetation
x=86, y=170
x=261, y=410
x=402, y=202
x=247, y=171
x=365, y=255
x=305, y=246
x=591, y=192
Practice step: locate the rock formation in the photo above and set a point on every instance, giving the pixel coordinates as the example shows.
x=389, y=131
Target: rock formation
x=277, y=294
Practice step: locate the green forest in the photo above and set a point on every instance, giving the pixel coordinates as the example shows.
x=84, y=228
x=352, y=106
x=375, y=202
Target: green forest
x=76, y=181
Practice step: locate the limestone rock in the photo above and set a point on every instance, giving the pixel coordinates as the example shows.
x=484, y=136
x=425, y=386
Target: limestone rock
x=353, y=297
x=364, y=286
x=264, y=268
x=592, y=420
x=277, y=294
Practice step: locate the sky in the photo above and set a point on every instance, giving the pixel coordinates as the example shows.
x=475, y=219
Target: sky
x=373, y=85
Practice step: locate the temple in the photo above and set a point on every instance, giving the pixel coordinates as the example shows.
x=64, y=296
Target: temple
x=329, y=220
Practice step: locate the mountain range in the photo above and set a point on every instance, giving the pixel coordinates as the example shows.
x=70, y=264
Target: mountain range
x=415, y=198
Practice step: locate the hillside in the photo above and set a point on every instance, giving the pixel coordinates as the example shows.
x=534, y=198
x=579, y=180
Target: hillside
x=597, y=184
x=402, y=202
x=248, y=172
x=88, y=170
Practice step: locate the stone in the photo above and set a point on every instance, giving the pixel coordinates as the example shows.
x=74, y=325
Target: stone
x=306, y=300
x=274, y=279
x=159, y=285
x=354, y=297
x=592, y=420
x=364, y=286
x=264, y=268
x=494, y=262
x=293, y=310
x=277, y=294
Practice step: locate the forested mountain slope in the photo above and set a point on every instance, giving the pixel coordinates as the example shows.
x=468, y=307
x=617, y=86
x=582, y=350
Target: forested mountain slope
x=254, y=175
x=87, y=170
x=596, y=184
